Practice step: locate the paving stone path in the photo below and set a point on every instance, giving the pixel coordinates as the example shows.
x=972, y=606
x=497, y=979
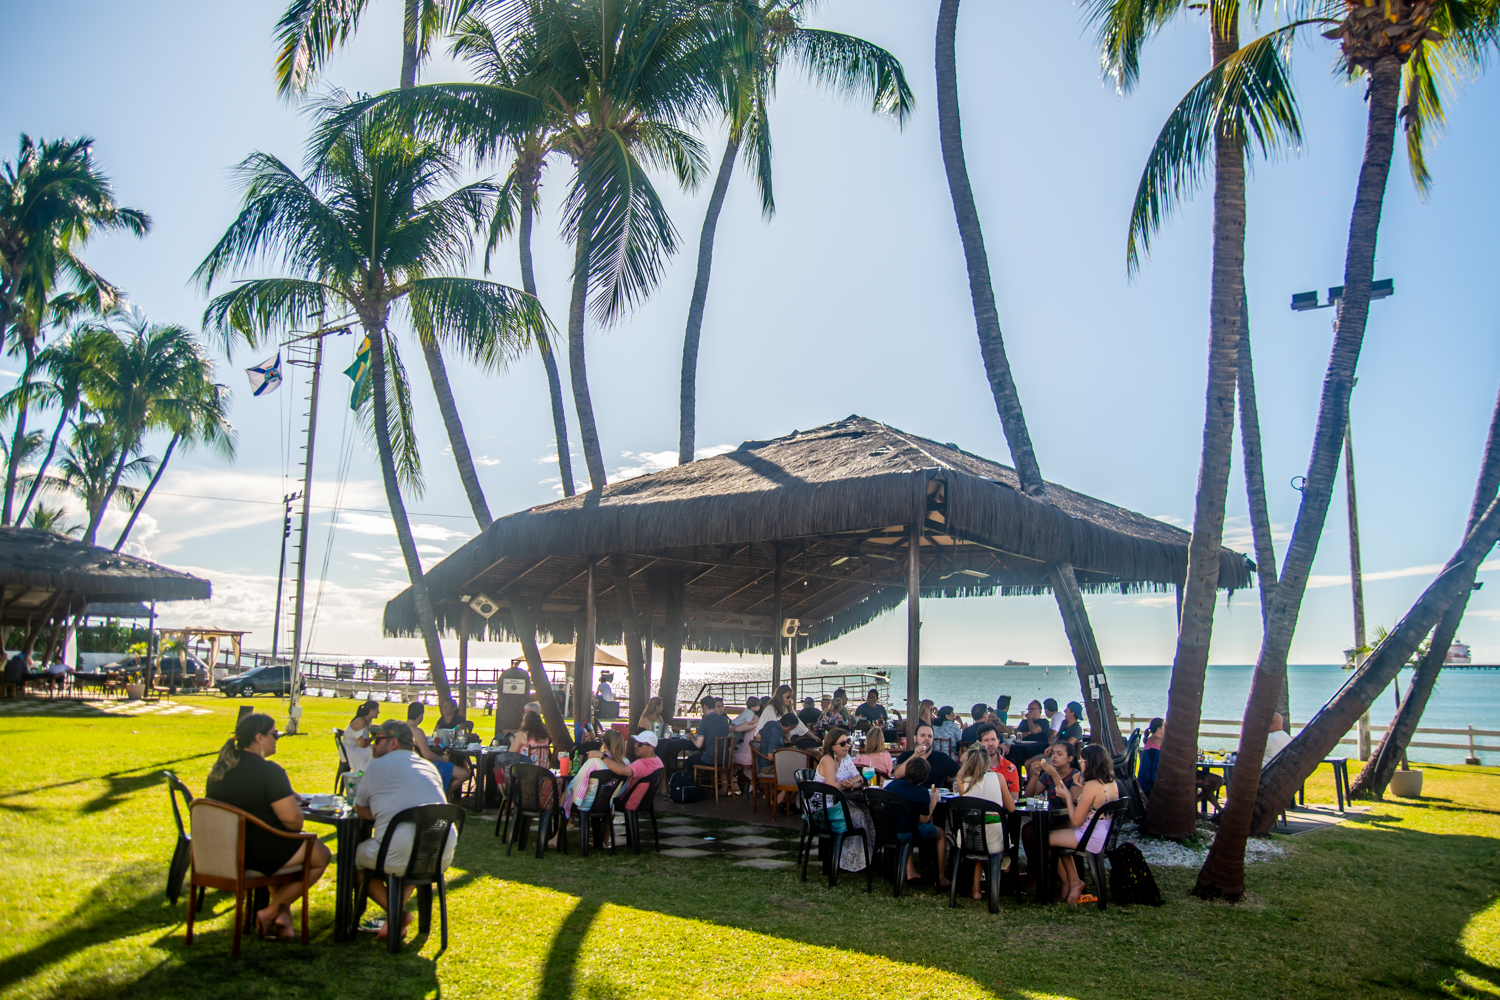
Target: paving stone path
x=762, y=847
x=76, y=707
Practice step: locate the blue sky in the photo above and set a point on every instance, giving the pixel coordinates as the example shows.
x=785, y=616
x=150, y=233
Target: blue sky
x=853, y=299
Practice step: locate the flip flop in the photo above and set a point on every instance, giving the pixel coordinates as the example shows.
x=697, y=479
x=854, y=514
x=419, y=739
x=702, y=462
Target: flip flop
x=1086, y=898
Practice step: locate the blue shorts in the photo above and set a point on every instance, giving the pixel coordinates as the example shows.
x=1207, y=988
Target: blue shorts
x=445, y=771
x=926, y=831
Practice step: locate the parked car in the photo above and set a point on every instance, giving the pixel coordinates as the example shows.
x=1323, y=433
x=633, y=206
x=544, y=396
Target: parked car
x=261, y=680
x=173, y=671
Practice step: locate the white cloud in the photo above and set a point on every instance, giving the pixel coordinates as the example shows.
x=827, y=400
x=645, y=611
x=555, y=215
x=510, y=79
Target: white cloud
x=379, y=524
x=368, y=556
x=547, y=459
x=1239, y=536
x=1432, y=569
x=485, y=460
x=713, y=451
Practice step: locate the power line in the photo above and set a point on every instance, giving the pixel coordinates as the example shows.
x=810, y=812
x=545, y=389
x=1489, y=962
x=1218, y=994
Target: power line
x=316, y=506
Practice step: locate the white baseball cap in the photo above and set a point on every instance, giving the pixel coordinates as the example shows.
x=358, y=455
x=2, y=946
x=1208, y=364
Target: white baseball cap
x=646, y=736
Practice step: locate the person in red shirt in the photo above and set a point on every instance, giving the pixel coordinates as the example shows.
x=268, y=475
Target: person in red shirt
x=989, y=738
x=646, y=763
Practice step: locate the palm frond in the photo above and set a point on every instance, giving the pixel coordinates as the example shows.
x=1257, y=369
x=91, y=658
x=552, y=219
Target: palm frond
x=401, y=423
x=1248, y=97
x=307, y=34
x=254, y=310
x=1121, y=30
x=851, y=67
x=477, y=117
x=492, y=323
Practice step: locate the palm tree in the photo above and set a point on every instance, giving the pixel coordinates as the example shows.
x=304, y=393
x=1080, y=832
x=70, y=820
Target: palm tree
x=621, y=77
x=96, y=471
x=1246, y=97
x=309, y=32
x=53, y=198
x=65, y=364
x=369, y=230
x=44, y=518
x=199, y=416
x=140, y=377
x=847, y=66
x=1386, y=43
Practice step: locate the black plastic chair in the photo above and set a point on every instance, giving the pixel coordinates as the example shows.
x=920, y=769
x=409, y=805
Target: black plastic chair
x=647, y=805
x=1125, y=763
x=798, y=777
x=499, y=765
x=818, y=800
x=1111, y=811
x=424, y=869
x=533, y=795
x=1135, y=799
x=344, y=768
x=600, y=815
x=887, y=809
x=182, y=854
x=969, y=815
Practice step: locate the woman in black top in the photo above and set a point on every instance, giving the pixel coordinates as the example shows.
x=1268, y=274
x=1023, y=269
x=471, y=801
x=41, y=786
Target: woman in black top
x=242, y=777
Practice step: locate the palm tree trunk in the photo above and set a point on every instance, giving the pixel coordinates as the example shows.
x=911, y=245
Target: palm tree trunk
x=426, y=617
x=36, y=484
x=588, y=432
x=97, y=514
x=526, y=634
x=141, y=503
x=13, y=466
x=544, y=348
x=673, y=600
x=409, y=34
x=455, y=427
x=1251, y=809
x=635, y=655
x=1376, y=774
x=688, y=424
x=1255, y=489
x=986, y=315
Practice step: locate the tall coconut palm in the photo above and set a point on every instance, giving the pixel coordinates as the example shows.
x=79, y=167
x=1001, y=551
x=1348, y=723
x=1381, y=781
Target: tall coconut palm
x=53, y=199
x=623, y=77
x=1380, y=41
x=64, y=365
x=199, y=416
x=847, y=66
x=370, y=231
x=96, y=470
x=140, y=377
x=309, y=32
x=1244, y=99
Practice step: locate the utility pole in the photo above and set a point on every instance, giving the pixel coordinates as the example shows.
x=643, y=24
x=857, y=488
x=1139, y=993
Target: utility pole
x=286, y=530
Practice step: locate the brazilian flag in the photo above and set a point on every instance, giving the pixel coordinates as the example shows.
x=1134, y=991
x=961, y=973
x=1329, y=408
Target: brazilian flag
x=360, y=373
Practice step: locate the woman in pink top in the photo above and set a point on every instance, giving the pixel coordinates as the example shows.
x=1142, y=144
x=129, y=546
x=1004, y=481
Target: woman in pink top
x=1098, y=789
x=874, y=755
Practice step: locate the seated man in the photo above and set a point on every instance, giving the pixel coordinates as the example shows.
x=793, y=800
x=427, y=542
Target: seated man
x=940, y=767
x=646, y=764
x=921, y=801
x=871, y=710
x=395, y=780
x=810, y=712
x=1072, y=727
x=453, y=775
x=1277, y=738
x=715, y=726
x=989, y=738
x=981, y=715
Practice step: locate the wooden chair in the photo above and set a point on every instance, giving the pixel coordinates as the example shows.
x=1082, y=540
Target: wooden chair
x=787, y=761
x=765, y=784
x=218, y=861
x=722, y=766
x=424, y=869
x=343, y=768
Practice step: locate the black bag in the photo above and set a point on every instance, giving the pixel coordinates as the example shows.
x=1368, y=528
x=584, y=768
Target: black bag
x=1130, y=879
x=681, y=788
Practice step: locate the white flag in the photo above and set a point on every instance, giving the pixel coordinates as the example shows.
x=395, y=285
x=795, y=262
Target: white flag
x=265, y=378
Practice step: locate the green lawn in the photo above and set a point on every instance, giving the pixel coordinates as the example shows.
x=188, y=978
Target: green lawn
x=1400, y=902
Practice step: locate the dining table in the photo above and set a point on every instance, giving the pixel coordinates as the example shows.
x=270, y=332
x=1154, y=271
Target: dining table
x=349, y=831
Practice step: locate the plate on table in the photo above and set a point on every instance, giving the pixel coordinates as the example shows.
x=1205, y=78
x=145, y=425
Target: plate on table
x=324, y=801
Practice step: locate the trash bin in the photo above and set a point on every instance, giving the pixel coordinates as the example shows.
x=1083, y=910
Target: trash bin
x=510, y=702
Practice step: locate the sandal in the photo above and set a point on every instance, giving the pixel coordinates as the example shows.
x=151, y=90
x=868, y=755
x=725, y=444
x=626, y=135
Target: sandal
x=1086, y=898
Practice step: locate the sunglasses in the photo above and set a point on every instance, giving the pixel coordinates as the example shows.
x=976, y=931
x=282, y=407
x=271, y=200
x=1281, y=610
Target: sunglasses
x=842, y=743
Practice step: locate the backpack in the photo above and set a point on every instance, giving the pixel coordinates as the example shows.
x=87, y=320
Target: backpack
x=1130, y=879
x=681, y=788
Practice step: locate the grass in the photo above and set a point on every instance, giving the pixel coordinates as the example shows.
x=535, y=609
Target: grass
x=1399, y=902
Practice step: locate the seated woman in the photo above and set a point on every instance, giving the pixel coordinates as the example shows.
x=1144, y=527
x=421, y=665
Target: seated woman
x=582, y=788
x=1099, y=788
x=1056, y=776
x=533, y=740
x=975, y=779
x=745, y=727
x=449, y=717
x=650, y=719
x=836, y=767
x=242, y=777
x=875, y=755
x=1145, y=774
x=946, y=732
x=356, y=738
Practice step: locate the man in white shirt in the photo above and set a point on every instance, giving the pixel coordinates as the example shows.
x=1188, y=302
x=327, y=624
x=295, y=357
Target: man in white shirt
x=395, y=780
x=1056, y=718
x=1277, y=738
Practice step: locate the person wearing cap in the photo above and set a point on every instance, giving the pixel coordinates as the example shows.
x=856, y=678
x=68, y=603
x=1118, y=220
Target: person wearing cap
x=646, y=764
x=810, y=713
x=395, y=780
x=1072, y=727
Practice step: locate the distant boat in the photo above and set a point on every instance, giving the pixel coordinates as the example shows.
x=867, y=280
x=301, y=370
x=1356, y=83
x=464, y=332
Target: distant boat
x=1458, y=655
x=828, y=663
x=1017, y=663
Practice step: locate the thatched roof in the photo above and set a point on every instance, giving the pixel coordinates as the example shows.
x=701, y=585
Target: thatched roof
x=40, y=570
x=834, y=501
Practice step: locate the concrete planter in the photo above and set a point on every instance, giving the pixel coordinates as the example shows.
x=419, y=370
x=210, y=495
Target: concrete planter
x=1407, y=784
x=135, y=692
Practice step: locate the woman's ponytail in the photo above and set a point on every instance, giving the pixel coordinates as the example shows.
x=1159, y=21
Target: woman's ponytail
x=229, y=756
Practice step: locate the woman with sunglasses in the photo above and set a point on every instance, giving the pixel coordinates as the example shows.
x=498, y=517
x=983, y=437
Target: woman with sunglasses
x=243, y=778
x=836, y=767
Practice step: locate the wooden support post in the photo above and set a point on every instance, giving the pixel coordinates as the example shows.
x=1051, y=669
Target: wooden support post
x=650, y=649
x=631, y=635
x=583, y=657
x=463, y=663
x=913, y=628
x=552, y=712
x=776, y=622
x=1092, y=683
x=674, y=600
x=792, y=644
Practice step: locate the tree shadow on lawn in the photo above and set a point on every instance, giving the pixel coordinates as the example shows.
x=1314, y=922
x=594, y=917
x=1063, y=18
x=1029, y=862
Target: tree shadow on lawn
x=1290, y=924
x=152, y=776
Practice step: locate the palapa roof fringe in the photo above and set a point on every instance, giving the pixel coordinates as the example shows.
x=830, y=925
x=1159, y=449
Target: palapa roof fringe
x=36, y=562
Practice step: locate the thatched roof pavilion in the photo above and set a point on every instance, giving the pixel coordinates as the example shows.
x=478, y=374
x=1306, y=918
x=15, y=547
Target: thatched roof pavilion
x=45, y=577
x=815, y=526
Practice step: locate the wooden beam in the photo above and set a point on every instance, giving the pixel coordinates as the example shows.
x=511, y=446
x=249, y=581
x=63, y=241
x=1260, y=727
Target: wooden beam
x=551, y=712
x=1092, y=683
x=583, y=657
x=463, y=663
x=913, y=628
x=776, y=622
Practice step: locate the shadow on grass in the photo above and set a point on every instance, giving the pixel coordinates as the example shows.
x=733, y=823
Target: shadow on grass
x=562, y=957
x=150, y=779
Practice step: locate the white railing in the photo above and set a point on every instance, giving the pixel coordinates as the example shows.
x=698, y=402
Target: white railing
x=1469, y=746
